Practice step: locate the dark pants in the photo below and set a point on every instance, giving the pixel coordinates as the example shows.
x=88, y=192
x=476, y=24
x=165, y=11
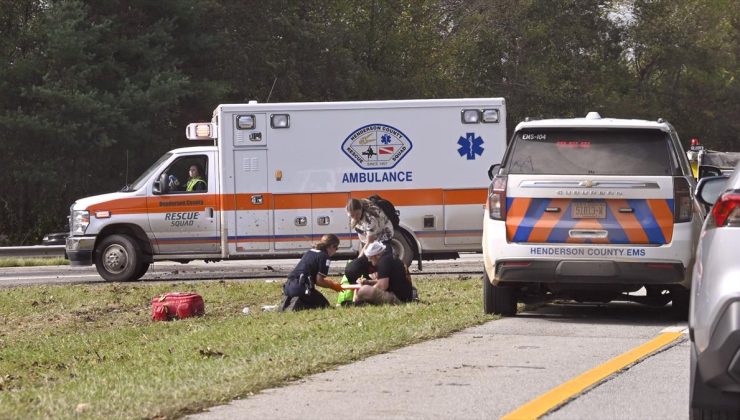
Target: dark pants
x=313, y=300
x=357, y=268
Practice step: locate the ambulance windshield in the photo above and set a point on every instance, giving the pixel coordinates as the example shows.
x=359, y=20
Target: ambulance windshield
x=141, y=180
x=591, y=152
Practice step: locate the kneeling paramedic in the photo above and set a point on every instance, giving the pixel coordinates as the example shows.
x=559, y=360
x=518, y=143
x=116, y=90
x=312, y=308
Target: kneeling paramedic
x=300, y=291
x=392, y=283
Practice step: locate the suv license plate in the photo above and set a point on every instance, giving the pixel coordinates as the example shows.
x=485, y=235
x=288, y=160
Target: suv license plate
x=585, y=210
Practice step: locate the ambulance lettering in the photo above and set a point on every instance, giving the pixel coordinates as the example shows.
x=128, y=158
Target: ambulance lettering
x=186, y=218
x=358, y=177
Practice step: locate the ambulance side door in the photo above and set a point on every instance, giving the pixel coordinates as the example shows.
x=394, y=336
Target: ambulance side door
x=253, y=202
x=186, y=222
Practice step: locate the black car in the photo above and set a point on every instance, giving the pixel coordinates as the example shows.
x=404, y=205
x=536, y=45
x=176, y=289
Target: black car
x=57, y=238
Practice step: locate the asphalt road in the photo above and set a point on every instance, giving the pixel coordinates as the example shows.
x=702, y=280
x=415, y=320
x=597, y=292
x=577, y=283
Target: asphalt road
x=489, y=371
x=467, y=264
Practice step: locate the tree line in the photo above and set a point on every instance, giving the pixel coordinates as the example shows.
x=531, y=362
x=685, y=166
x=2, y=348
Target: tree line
x=92, y=92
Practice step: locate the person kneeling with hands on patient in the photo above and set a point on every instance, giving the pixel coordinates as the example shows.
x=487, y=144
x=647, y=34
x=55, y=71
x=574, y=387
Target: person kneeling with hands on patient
x=311, y=271
x=391, y=284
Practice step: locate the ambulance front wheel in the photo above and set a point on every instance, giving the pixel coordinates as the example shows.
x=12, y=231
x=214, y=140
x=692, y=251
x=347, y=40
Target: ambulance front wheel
x=117, y=258
x=402, y=248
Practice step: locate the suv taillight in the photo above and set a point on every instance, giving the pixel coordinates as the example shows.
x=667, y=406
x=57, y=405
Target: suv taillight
x=683, y=207
x=727, y=209
x=497, y=198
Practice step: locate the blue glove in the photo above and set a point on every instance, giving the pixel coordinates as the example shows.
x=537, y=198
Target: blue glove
x=173, y=181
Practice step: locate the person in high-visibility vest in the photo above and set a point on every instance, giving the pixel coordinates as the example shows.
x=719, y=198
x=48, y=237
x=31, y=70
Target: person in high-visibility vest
x=694, y=155
x=195, y=182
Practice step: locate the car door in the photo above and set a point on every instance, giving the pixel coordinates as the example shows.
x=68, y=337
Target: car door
x=182, y=221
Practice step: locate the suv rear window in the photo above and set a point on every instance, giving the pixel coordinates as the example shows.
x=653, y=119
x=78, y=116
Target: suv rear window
x=590, y=152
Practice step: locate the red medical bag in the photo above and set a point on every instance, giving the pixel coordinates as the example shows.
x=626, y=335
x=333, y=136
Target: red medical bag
x=177, y=305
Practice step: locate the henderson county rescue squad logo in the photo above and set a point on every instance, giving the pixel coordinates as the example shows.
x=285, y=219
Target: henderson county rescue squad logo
x=376, y=146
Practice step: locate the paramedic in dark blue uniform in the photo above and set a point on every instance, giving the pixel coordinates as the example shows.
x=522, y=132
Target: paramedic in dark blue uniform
x=312, y=270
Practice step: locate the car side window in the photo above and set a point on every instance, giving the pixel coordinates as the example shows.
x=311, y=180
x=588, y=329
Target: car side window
x=188, y=175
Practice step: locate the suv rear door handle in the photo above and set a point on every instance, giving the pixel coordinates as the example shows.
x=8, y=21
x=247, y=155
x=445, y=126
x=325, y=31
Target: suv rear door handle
x=588, y=233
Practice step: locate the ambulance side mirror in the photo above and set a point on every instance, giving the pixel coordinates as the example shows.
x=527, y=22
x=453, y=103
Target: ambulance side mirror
x=493, y=170
x=160, y=186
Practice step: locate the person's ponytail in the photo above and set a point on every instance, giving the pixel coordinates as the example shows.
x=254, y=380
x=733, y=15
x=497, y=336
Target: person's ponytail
x=326, y=241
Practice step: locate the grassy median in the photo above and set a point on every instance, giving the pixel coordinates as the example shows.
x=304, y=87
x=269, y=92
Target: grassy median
x=91, y=351
x=32, y=262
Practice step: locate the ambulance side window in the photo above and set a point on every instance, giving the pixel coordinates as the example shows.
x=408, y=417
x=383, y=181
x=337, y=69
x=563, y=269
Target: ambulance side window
x=188, y=175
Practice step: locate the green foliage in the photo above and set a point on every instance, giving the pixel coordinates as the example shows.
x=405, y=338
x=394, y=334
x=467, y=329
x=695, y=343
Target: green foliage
x=92, y=92
x=98, y=87
x=685, y=68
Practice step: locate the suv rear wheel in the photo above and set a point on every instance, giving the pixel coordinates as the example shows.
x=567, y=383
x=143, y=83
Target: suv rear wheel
x=498, y=300
x=680, y=303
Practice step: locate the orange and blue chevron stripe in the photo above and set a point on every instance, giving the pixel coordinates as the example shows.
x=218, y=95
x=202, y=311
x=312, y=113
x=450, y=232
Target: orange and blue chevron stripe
x=649, y=221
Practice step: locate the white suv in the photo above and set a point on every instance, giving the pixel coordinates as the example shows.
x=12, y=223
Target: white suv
x=590, y=209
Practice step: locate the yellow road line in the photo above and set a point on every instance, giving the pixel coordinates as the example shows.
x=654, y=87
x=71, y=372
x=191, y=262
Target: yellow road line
x=560, y=394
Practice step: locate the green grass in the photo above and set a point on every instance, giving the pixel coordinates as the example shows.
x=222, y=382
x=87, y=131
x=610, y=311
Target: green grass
x=91, y=351
x=32, y=262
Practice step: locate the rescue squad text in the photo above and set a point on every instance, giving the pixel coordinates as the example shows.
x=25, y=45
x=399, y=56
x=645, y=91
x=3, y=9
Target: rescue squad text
x=588, y=252
x=184, y=218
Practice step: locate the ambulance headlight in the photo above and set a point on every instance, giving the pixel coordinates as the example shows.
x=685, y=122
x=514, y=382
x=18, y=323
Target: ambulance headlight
x=490, y=115
x=280, y=120
x=245, y=122
x=470, y=116
x=80, y=221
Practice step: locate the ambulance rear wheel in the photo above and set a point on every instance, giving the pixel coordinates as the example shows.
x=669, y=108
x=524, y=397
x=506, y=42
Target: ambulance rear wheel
x=402, y=248
x=117, y=258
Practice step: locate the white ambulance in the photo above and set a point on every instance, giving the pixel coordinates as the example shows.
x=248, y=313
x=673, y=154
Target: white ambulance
x=278, y=176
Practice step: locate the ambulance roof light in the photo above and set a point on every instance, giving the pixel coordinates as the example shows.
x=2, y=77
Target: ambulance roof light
x=593, y=115
x=470, y=116
x=280, y=121
x=201, y=131
x=490, y=116
x=245, y=122
x=694, y=141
